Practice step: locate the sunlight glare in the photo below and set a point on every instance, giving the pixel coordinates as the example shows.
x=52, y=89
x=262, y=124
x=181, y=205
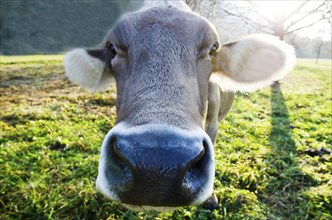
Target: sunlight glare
x=280, y=9
x=277, y=8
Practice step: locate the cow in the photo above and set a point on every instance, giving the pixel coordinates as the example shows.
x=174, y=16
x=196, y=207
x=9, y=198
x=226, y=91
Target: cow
x=174, y=83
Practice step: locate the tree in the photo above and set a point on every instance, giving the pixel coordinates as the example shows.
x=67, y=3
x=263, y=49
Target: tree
x=281, y=24
x=205, y=8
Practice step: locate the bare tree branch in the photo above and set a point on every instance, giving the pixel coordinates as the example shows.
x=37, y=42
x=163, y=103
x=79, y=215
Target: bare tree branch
x=280, y=25
x=306, y=26
x=256, y=8
x=315, y=10
x=296, y=10
x=246, y=20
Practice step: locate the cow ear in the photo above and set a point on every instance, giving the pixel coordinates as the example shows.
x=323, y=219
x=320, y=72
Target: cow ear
x=251, y=63
x=88, y=68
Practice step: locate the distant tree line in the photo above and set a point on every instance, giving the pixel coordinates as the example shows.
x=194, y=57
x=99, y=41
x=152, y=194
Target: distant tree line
x=47, y=26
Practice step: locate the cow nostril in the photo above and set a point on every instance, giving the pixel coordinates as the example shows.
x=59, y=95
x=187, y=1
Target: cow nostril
x=118, y=169
x=194, y=162
x=197, y=171
x=116, y=151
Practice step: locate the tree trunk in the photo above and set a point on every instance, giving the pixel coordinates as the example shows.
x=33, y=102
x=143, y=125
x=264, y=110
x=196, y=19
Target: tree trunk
x=318, y=51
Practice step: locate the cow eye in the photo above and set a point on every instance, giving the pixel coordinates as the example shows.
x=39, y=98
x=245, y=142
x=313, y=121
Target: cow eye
x=110, y=48
x=214, y=49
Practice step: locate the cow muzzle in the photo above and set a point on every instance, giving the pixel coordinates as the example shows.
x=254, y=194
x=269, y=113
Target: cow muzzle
x=156, y=166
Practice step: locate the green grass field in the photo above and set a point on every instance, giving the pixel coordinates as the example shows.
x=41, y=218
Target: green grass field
x=51, y=132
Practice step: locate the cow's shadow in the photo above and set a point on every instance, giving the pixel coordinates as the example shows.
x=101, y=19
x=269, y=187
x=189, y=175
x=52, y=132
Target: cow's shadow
x=285, y=178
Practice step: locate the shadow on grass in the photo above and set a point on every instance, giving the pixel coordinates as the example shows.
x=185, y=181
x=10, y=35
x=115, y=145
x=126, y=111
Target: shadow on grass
x=286, y=180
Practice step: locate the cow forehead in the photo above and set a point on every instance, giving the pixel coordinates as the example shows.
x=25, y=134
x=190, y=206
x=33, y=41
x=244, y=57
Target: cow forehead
x=186, y=25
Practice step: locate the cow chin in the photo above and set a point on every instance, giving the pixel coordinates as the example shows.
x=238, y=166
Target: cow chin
x=156, y=167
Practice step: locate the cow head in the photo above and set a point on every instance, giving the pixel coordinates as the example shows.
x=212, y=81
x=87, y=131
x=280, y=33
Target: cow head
x=164, y=59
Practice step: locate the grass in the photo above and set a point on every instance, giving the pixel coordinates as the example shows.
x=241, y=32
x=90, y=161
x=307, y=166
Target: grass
x=27, y=59
x=51, y=132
